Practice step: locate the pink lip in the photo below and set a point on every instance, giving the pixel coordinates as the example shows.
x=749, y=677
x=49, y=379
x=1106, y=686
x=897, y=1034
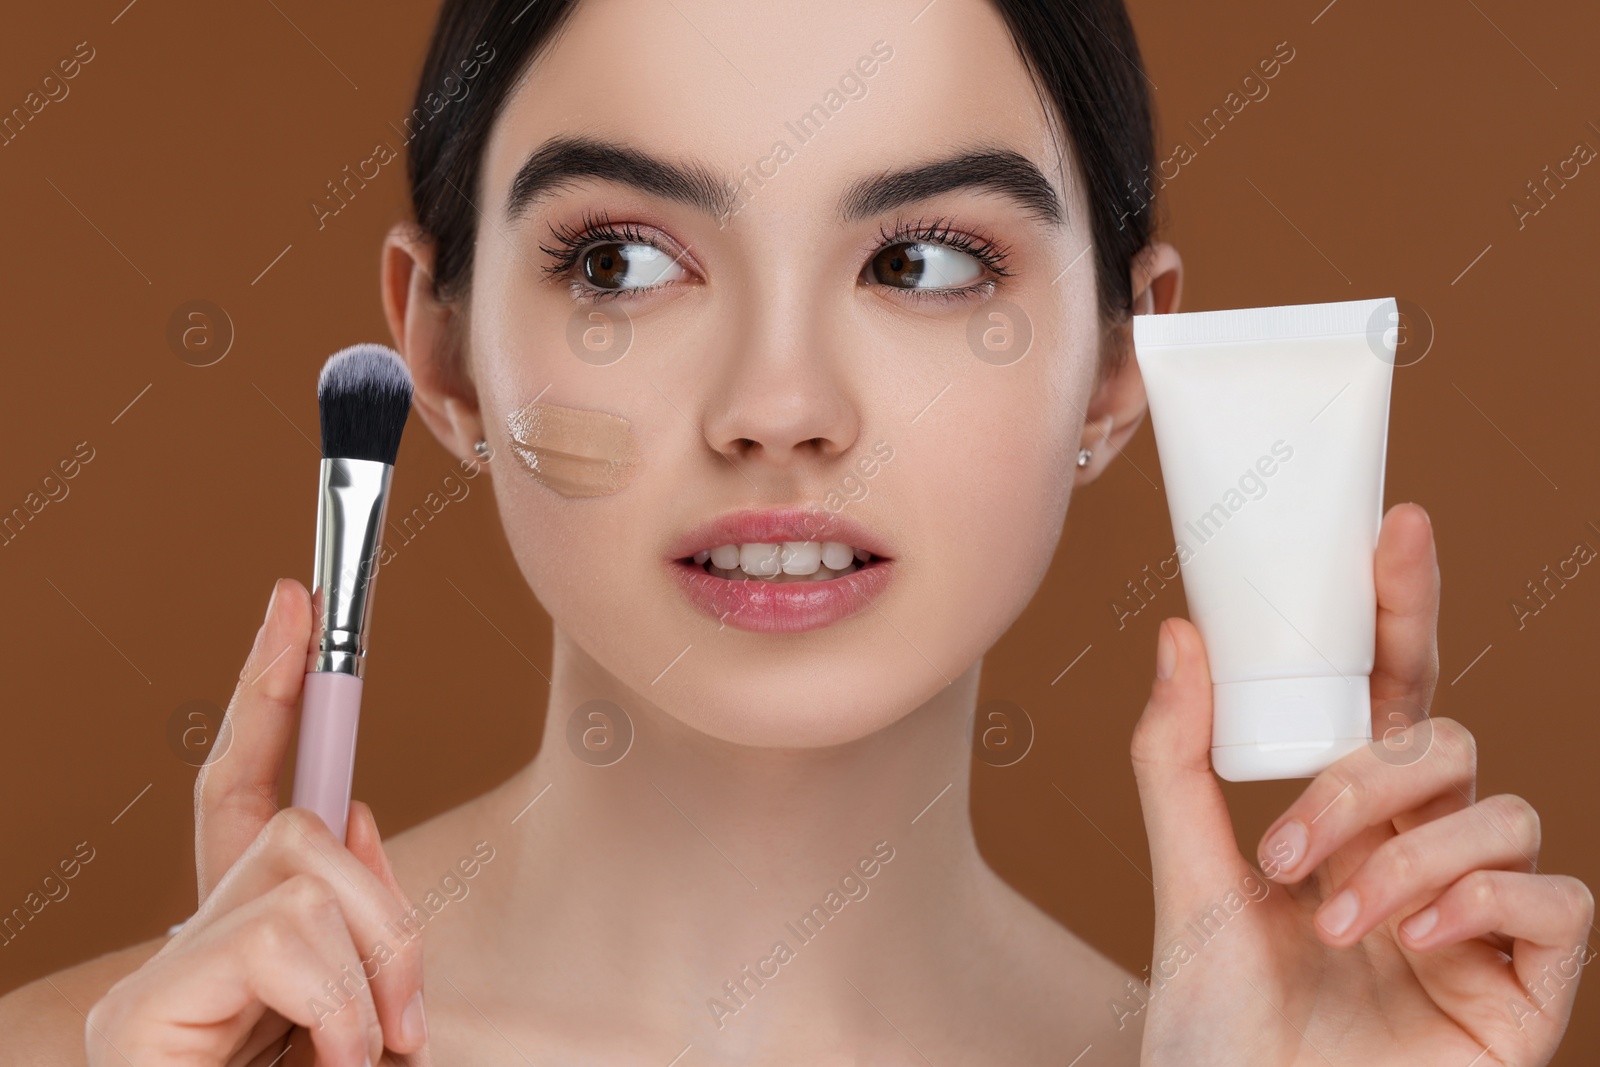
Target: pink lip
x=771, y=525
x=780, y=607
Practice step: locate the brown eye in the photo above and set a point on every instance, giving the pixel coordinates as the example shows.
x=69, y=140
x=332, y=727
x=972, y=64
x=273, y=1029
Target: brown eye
x=923, y=265
x=626, y=265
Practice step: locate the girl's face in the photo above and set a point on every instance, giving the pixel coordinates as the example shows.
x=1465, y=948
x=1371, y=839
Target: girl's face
x=752, y=281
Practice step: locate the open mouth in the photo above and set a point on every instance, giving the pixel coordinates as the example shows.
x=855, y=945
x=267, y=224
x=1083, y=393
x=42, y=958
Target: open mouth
x=784, y=561
x=779, y=570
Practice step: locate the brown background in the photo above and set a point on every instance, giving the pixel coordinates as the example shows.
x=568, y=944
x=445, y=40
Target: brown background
x=182, y=164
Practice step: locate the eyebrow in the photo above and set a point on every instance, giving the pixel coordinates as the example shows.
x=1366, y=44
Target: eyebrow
x=563, y=160
x=566, y=159
x=997, y=170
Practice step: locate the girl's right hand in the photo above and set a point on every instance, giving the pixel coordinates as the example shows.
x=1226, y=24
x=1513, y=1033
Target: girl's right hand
x=290, y=944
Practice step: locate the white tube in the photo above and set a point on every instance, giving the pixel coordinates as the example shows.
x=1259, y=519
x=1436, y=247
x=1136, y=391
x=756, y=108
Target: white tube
x=1271, y=424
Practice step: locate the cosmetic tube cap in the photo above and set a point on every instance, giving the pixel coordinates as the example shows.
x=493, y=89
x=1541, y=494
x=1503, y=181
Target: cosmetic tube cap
x=1287, y=727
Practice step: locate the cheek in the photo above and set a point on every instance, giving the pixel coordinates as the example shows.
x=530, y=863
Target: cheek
x=989, y=490
x=998, y=479
x=574, y=551
x=996, y=498
x=594, y=561
x=1010, y=442
x=542, y=534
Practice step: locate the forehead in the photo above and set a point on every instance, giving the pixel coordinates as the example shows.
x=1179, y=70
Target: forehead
x=847, y=89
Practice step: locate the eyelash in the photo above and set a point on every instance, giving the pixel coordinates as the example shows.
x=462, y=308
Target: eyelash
x=570, y=242
x=991, y=253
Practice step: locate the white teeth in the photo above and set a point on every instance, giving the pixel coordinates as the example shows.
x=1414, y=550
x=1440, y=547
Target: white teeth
x=801, y=557
x=788, y=561
x=759, y=560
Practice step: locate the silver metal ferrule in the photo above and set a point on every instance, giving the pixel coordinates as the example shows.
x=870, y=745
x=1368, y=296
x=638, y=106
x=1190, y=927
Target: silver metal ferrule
x=353, y=500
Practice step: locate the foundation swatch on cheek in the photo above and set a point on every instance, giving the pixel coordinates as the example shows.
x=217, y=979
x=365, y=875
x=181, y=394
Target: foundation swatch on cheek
x=574, y=451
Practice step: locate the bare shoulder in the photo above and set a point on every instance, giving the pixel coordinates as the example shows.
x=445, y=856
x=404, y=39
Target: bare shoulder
x=1068, y=987
x=44, y=1020
x=442, y=848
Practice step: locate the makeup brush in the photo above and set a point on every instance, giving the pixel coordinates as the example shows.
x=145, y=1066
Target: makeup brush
x=364, y=393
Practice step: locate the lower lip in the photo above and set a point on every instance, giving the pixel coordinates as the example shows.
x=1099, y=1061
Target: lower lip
x=781, y=607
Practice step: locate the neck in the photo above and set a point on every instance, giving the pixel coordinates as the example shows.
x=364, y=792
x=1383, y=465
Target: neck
x=692, y=872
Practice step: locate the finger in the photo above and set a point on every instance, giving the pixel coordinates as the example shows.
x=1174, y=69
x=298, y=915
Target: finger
x=1406, y=653
x=364, y=842
x=1548, y=915
x=236, y=793
x=1499, y=832
x=1362, y=789
x=1192, y=846
x=285, y=951
x=297, y=843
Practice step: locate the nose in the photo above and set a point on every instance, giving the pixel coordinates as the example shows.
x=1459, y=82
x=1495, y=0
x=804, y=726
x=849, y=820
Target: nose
x=781, y=393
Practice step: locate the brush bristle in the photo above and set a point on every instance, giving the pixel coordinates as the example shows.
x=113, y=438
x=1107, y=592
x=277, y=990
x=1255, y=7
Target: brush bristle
x=364, y=393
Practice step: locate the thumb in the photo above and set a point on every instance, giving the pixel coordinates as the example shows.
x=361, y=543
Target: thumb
x=1192, y=847
x=236, y=791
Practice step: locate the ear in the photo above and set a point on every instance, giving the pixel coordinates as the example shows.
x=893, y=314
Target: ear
x=1118, y=403
x=430, y=334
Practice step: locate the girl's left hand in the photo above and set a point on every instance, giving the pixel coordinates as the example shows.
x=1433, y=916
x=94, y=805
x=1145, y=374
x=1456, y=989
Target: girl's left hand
x=1394, y=917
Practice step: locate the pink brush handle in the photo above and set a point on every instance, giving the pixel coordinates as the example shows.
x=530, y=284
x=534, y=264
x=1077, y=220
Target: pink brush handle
x=325, y=761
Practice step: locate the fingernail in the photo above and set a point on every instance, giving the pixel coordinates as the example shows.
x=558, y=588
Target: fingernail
x=1166, y=653
x=271, y=600
x=1337, y=915
x=1285, y=850
x=1418, y=926
x=413, y=1027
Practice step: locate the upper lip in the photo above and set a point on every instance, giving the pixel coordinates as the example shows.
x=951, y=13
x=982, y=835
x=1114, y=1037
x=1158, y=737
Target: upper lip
x=775, y=525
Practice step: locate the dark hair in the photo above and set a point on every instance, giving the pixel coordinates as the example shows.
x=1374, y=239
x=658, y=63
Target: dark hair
x=1081, y=54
